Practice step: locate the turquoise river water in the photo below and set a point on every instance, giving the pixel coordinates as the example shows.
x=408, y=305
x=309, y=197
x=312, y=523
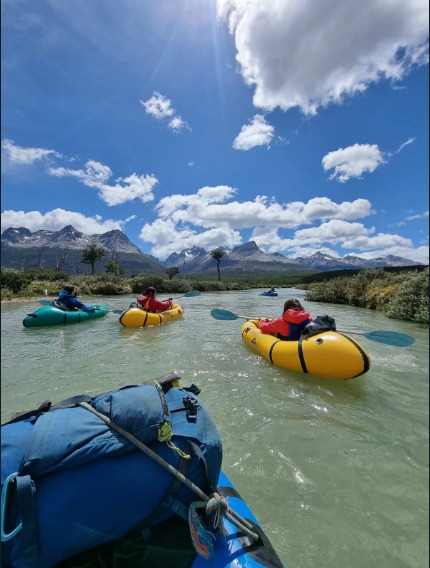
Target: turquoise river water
x=335, y=471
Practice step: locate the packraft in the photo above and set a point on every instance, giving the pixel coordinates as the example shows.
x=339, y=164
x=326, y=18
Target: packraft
x=73, y=475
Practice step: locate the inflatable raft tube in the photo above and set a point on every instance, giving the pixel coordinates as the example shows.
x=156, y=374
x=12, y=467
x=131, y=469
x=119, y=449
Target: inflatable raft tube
x=50, y=315
x=135, y=316
x=330, y=354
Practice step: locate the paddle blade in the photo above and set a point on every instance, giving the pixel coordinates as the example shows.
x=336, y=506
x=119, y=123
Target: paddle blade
x=390, y=338
x=45, y=303
x=223, y=315
x=192, y=293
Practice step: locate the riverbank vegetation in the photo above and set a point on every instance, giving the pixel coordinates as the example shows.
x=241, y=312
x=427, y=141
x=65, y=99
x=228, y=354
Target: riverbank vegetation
x=398, y=293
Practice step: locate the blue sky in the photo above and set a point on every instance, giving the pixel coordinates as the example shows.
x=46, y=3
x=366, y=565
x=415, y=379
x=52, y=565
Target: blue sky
x=300, y=125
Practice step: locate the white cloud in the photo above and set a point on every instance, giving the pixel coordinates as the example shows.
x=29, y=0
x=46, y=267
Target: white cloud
x=207, y=208
x=158, y=106
x=415, y=217
x=168, y=238
x=177, y=124
x=97, y=175
x=57, y=219
x=354, y=237
x=409, y=141
x=161, y=108
x=257, y=133
x=419, y=254
x=309, y=54
x=212, y=217
x=25, y=156
x=379, y=241
x=353, y=161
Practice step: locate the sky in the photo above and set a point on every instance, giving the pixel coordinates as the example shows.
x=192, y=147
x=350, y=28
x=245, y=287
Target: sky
x=302, y=126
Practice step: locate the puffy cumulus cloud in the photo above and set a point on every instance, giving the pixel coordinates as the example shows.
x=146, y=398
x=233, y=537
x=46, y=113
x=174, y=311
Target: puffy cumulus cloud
x=123, y=190
x=25, y=156
x=181, y=219
x=207, y=208
x=168, y=238
x=353, y=161
x=335, y=231
x=208, y=195
x=309, y=54
x=257, y=133
x=161, y=108
x=354, y=237
x=158, y=106
x=57, y=219
x=177, y=124
x=212, y=217
x=419, y=254
x=379, y=241
x=329, y=233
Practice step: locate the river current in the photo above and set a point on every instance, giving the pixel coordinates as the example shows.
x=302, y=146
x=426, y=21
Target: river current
x=335, y=471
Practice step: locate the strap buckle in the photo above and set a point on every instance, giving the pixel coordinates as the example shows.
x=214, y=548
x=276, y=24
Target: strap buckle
x=191, y=405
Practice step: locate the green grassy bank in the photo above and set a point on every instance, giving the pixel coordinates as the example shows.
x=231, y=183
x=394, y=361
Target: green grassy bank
x=400, y=293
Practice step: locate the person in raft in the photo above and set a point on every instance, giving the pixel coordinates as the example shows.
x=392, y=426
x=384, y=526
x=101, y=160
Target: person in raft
x=67, y=300
x=149, y=302
x=290, y=325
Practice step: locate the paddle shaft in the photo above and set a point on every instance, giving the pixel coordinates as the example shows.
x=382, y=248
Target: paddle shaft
x=189, y=294
x=393, y=338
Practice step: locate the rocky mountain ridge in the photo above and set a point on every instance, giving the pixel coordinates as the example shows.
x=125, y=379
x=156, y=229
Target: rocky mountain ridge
x=17, y=243
x=197, y=259
x=63, y=250
x=68, y=237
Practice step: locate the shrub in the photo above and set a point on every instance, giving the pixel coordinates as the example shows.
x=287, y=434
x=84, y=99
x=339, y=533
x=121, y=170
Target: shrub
x=380, y=294
x=139, y=283
x=412, y=300
x=13, y=280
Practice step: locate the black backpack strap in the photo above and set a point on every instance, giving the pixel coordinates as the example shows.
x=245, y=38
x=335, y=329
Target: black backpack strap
x=44, y=407
x=170, y=501
x=47, y=405
x=72, y=401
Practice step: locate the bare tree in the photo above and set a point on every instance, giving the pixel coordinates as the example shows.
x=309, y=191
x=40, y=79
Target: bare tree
x=64, y=253
x=40, y=259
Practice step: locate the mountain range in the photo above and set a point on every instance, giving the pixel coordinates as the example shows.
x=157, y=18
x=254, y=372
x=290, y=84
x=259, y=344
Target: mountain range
x=63, y=249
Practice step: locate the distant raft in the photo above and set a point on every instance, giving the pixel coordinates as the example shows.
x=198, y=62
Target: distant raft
x=135, y=316
x=268, y=293
x=330, y=354
x=51, y=315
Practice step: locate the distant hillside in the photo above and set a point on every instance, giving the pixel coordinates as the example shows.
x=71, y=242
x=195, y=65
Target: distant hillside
x=20, y=248
x=248, y=258
x=63, y=249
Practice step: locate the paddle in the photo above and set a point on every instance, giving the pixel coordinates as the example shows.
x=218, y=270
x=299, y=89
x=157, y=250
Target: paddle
x=388, y=337
x=190, y=294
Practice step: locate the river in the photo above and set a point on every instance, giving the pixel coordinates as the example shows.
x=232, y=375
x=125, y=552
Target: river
x=335, y=471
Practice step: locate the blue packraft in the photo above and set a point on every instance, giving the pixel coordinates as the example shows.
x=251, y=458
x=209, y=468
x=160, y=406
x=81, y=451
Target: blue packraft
x=70, y=482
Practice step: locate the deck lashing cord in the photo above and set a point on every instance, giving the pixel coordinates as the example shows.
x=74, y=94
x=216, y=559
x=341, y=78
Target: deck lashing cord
x=216, y=502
